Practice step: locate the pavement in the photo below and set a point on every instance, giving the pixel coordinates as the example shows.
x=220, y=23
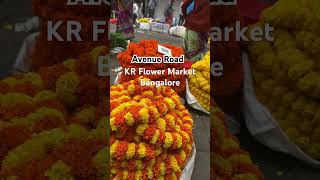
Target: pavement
x=276, y=165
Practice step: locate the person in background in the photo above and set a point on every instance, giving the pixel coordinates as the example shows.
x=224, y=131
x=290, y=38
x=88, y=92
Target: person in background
x=168, y=13
x=125, y=18
x=151, y=8
x=197, y=23
x=181, y=17
x=135, y=12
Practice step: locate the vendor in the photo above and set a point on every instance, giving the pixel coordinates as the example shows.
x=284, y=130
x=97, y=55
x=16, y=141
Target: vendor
x=197, y=23
x=151, y=8
x=125, y=18
x=181, y=17
x=168, y=13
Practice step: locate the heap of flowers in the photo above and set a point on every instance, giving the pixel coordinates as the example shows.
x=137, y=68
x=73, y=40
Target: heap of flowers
x=53, y=122
x=199, y=83
x=151, y=132
x=228, y=160
x=286, y=72
x=149, y=48
x=49, y=52
x=228, y=53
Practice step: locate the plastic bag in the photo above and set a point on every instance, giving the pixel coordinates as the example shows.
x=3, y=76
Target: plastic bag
x=23, y=60
x=261, y=123
x=192, y=101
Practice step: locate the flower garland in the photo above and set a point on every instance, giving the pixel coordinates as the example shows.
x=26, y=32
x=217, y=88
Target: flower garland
x=228, y=161
x=48, y=53
x=200, y=82
x=151, y=125
x=149, y=48
x=44, y=134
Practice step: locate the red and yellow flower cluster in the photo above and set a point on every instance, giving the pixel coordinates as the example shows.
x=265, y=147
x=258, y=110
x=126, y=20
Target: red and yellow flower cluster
x=151, y=132
x=149, y=48
x=228, y=160
x=53, y=123
x=47, y=52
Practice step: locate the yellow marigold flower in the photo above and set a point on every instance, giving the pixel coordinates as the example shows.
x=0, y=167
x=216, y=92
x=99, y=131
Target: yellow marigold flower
x=113, y=148
x=187, y=119
x=124, y=92
x=171, y=120
x=87, y=115
x=59, y=170
x=158, y=151
x=154, y=112
x=161, y=178
x=149, y=172
x=66, y=87
x=240, y=158
x=40, y=144
x=142, y=150
x=148, y=93
x=174, y=164
x=178, y=128
x=162, y=168
x=138, y=175
x=183, y=155
x=34, y=117
x=144, y=115
x=168, y=140
x=179, y=140
x=136, y=98
x=122, y=107
x=131, y=151
x=124, y=98
x=11, y=81
x=146, y=102
x=125, y=174
x=139, y=164
x=161, y=124
x=172, y=105
x=12, y=99
x=188, y=126
x=131, y=89
x=141, y=128
x=152, y=162
x=173, y=176
x=45, y=95
x=186, y=135
x=112, y=126
x=98, y=51
x=189, y=147
x=229, y=143
x=113, y=170
x=129, y=119
x=155, y=137
x=70, y=64
x=114, y=94
x=34, y=78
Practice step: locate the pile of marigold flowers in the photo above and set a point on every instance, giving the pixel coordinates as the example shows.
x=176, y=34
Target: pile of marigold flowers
x=53, y=122
x=228, y=160
x=151, y=132
x=149, y=48
x=228, y=53
x=199, y=83
x=49, y=52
